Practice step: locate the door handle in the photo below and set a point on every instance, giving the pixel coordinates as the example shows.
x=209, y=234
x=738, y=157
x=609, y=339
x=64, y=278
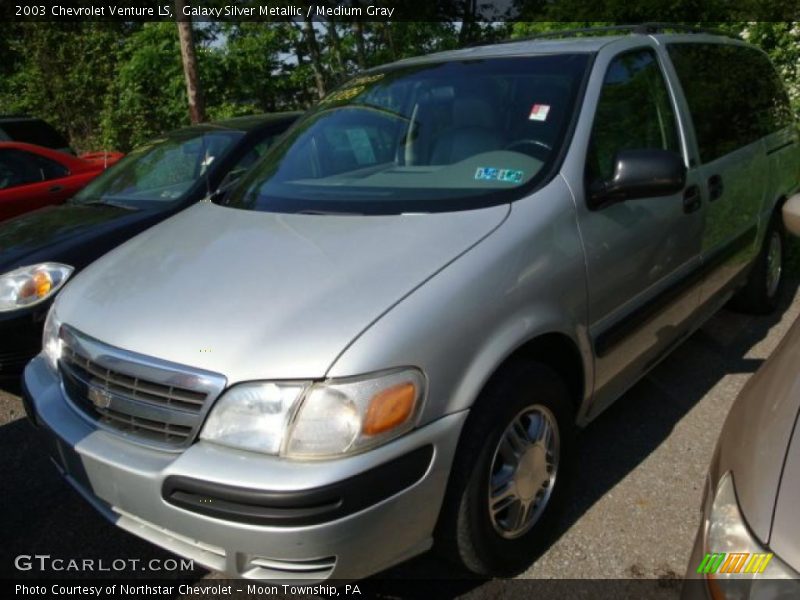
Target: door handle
x=691, y=199
x=715, y=187
x=55, y=188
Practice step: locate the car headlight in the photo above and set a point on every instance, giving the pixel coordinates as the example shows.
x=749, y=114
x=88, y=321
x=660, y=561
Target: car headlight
x=30, y=285
x=317, y=420
x=736, y=565
x=252, y=416
x=51, y=340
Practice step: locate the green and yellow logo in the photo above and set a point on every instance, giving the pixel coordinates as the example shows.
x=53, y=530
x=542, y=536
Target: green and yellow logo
x=734, y=562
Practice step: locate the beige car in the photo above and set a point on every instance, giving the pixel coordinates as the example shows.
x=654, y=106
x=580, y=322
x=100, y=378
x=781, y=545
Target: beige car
x=748, y=544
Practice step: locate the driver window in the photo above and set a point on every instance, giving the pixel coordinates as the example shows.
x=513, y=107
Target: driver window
x=634, y=112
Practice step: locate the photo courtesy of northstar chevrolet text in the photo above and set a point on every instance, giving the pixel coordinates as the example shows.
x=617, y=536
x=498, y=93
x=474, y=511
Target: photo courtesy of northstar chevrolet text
x=345, y=299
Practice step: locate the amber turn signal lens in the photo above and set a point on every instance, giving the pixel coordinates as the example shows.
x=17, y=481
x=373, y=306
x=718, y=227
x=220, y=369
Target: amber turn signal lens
x=390, y=408
x=37, y=286
x=42, y=284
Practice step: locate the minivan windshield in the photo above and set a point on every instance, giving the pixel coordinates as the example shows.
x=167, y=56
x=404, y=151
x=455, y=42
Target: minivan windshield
x=426, y=137
x=161, y=172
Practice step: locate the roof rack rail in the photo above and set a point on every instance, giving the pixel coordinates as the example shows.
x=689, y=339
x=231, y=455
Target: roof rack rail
x=633, y=28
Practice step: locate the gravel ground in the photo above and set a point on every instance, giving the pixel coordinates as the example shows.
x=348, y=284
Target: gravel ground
x=636, y=503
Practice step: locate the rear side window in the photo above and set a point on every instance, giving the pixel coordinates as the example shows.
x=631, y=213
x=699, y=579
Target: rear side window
x=634, y=113
x=772, y=104
x=20, y=168
x=734, y=94
x=33, y=131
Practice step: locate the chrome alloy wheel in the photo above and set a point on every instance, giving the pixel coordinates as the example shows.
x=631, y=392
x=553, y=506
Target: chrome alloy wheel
x=774, y=264
x=523, y=471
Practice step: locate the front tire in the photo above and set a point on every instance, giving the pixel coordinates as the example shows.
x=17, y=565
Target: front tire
x=509, y=479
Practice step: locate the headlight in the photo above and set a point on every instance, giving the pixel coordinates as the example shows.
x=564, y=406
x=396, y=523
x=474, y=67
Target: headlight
x=30, y=285
x=51, y=342
x=320, y=420
x=252, y=416
x=736, y=565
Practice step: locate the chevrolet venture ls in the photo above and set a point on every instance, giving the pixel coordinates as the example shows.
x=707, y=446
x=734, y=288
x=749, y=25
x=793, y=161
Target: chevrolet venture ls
x=387, y=334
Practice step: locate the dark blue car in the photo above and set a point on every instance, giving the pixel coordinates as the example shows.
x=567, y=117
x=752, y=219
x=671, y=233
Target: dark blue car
x=40, y=251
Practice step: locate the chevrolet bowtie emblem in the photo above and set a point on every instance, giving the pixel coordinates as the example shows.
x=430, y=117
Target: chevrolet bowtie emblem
x=100, y=398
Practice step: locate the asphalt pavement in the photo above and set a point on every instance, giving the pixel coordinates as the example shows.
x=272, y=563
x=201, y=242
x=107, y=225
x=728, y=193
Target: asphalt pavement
x=635, y=507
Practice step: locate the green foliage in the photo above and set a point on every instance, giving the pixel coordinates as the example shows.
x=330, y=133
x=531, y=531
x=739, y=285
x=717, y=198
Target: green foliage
x=781, y=40
x=115, y=85
x=62, y=74
x=147, y=92
x=250, y=62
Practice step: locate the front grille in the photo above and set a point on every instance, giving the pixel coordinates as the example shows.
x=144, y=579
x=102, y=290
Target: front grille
x=138, y=389
x=156, y=403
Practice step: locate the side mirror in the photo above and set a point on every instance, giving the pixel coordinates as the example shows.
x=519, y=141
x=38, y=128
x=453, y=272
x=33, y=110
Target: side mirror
x=641, y=174
x=791, y=215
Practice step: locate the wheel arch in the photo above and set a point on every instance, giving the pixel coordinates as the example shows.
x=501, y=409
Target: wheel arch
x=555, y=350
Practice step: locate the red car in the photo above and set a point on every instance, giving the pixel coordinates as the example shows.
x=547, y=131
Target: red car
x=33, y=176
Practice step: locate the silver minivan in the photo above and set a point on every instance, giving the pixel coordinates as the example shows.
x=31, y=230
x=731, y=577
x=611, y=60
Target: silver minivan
x=387, y=335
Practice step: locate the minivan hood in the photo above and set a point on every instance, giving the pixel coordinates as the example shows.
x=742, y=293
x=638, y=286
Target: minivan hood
x=257, y=295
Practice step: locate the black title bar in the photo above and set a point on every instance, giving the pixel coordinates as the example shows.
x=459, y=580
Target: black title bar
x=486, y=11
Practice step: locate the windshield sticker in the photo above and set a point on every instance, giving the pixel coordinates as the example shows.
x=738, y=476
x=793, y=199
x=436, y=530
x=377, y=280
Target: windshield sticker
x=504, y=175
x=539, y=112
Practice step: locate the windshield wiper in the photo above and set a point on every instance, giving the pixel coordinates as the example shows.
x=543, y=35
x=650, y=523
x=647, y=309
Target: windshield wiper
x=310, y=211
x=107, y=203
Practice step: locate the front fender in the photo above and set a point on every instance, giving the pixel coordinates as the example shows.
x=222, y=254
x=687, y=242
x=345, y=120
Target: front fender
x=525, y=279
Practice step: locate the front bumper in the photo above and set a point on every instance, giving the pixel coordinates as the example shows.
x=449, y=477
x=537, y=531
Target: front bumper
x=128, y=483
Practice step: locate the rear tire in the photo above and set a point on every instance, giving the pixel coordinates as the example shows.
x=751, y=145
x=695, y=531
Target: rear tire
x=509, y=480
x=760, y=294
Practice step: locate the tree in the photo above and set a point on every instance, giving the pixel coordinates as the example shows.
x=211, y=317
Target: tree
x=148, y=95
x=194, y=93
x=116, y=85
x=361, y=53
x=781, y=40
x=63, y=72
x=315, y=56
x=252, y=73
